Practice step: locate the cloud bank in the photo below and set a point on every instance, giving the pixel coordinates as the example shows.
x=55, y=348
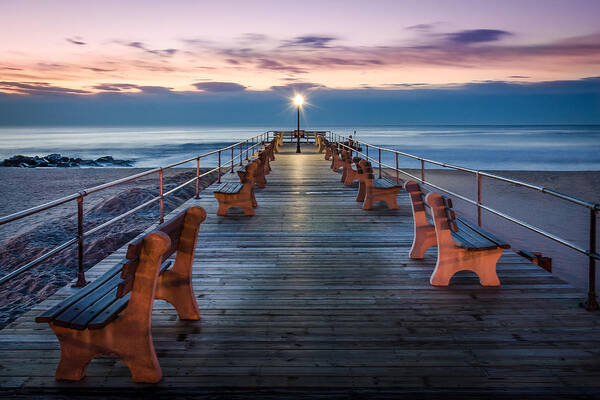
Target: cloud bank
x=215, y=103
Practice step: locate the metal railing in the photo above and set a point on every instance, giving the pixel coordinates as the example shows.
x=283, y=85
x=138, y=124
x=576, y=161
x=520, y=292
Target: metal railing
x=590, y=252
x=306, y=136
x=244, y=150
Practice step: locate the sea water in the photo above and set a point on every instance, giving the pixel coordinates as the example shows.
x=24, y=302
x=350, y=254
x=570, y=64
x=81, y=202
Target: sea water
x=484, y=147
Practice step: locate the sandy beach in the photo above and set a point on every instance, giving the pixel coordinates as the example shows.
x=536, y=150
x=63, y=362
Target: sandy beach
x=23, y=240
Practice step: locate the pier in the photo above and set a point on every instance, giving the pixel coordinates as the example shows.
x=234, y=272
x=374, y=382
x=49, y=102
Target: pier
x=314, y=293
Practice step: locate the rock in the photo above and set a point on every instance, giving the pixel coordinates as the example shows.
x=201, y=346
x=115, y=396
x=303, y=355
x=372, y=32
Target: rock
x=58, y=160
x=105, y=159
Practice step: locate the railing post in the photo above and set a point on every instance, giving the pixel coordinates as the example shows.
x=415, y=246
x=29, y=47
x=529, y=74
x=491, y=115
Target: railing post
x=198, y=178
x=478, y=199
x=397, y=172
x=162, y=202
x=592, y=302
x=379, y=163
x=422, y=171
x=80, y=272
x=232, y=157
x=219, y=181
x=367, y=148
x=247, y=150
x=241, y=153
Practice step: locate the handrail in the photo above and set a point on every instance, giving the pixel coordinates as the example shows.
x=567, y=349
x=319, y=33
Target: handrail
x=257, y=142
x=591, y=252
x=543, y=189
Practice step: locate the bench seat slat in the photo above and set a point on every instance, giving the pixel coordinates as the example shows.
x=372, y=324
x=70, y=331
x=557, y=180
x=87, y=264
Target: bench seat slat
x=385, y=183
x=473, y=235
x=110, y=313
x=487, y=235
x=469, y=243
x=51, y=313
x=73, y=311
x=229, y=188
x=82, y=320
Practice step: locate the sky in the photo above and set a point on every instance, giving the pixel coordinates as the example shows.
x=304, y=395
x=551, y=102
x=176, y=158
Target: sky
x=356, y=61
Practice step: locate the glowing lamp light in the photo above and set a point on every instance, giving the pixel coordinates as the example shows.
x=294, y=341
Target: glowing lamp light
x=298, y=100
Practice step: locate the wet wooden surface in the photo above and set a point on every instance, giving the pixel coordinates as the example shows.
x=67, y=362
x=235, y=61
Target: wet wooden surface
x=313, y=292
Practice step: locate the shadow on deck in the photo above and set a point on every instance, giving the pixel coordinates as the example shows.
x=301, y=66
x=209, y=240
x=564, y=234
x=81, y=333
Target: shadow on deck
x=315, y=293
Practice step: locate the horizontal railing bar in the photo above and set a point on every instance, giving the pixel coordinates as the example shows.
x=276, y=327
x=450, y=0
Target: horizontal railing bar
x=38, y=260
x=501, y=214
x=92, y=231
x=85, y=192
x=34, y=210
x=542, y=189
x=489, y=209
x=133, y=210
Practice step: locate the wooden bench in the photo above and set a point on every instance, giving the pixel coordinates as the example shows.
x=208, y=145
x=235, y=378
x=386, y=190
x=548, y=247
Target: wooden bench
x=270, y=149
x=462, y=246
x=424, y=231
x=349, y=174
x=322, y=144
x=336, y=162
x=259, y=176
x=268, y=157
x=371, y=190
x=113, y=315
x=277, y=141
x=231, y=194
x=329, y=149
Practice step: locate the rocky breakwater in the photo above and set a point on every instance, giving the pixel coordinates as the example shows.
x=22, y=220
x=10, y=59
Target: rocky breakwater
x=60, y=161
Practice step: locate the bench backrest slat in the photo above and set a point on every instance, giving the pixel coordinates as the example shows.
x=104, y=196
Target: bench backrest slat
x=173, y=230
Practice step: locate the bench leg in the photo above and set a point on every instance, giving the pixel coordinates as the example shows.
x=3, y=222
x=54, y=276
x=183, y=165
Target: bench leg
x=483, y=263
x=141, y=361
x=350, y=177
x=368, y=201
x=424, y=238
x=248, y=210
x=344, y=174
x=222, y=210
x=126, y=339
x=253, y=198
x=261, y=182
x=372, y=196
x=76, y=352
x=391, y=202
x=177, y=290
x=360, y=196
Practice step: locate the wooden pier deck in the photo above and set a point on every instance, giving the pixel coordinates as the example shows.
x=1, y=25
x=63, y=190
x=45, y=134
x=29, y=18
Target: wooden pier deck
x=314, y=293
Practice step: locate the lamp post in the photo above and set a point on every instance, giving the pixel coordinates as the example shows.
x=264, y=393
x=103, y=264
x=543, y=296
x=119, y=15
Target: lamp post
x=298, y=100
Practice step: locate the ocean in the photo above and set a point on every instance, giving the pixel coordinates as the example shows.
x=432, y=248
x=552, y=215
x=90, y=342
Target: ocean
x=484, y=147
